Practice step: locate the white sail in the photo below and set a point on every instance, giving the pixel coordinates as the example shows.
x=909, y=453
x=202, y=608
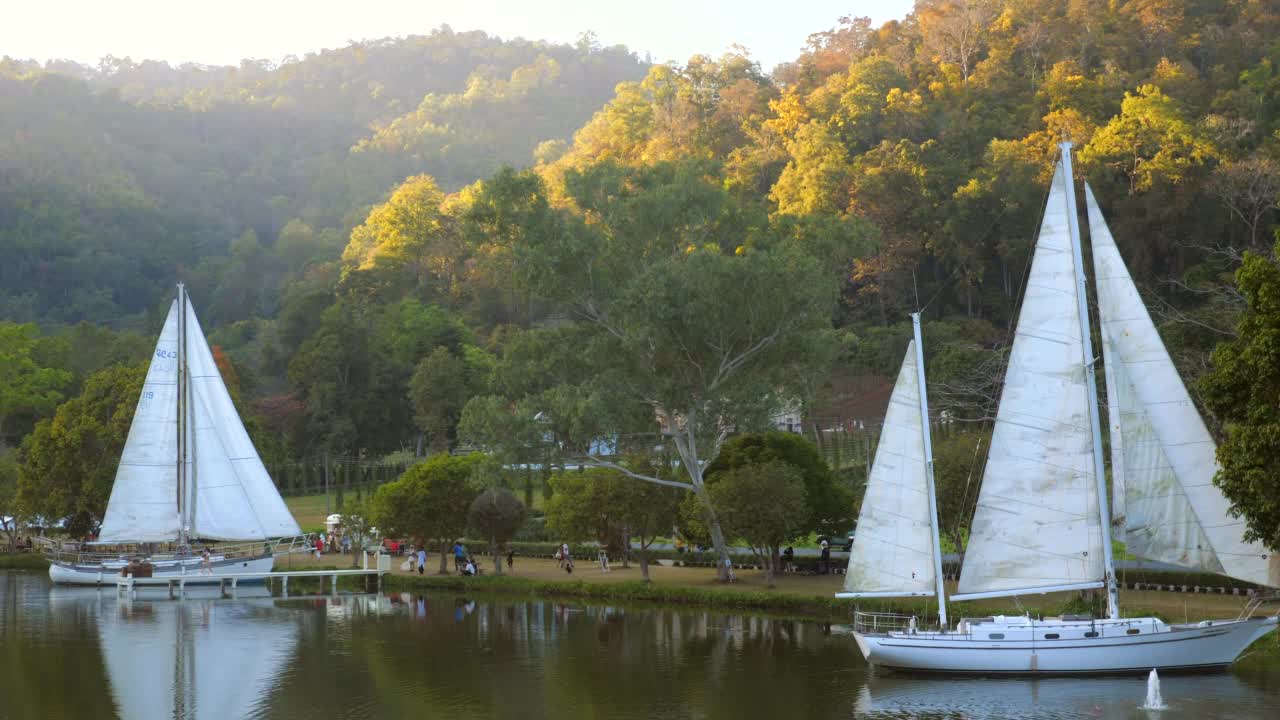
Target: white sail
x=144, y=499
x=235, y=498
x=196, y=659
x=892, y=553
x=1037, y=525
x=140, y=650
x=1172, y=511
x=239, y=654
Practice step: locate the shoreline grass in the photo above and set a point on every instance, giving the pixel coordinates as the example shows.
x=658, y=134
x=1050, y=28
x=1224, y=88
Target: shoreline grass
x=23, y=561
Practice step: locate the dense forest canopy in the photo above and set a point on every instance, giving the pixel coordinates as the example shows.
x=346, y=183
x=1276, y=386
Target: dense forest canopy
x=117, y=179
x=347, y=229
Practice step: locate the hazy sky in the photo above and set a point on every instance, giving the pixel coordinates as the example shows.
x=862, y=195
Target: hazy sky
x=224, y=31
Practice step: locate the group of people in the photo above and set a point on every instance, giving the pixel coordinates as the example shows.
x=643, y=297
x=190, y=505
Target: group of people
x=564, y=560
x=463, y=563
x=333, y=542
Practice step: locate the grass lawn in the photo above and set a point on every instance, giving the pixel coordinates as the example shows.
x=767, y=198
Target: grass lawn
x=1173, y=606
x=308, y=510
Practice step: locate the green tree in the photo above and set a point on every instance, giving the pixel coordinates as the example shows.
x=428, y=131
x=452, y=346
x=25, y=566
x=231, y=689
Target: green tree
x=357, y=522
x=587, y=505
x=68, y=463
x=1241, y=392
x=830, y=506
x=698, y=325
x=764, y=505
x=9, y=514
x=25, y=386
x=429, y=502
x=496, y=514
x=438, y=391
x=1151, y=141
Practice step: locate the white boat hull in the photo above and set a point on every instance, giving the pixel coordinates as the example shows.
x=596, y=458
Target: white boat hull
x=1200, y=647
x=188, y=568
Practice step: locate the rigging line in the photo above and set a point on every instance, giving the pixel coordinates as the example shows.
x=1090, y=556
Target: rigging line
x=945, y=284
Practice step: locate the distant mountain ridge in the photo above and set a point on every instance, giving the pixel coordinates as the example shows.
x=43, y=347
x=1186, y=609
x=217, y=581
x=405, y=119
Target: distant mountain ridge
x=112, y=178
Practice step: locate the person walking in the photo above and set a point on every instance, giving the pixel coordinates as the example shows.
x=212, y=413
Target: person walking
x=422, y=559
x=824, y=559
x=511, y=559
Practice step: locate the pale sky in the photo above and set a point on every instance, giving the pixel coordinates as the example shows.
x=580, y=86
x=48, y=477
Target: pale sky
x=224, y=31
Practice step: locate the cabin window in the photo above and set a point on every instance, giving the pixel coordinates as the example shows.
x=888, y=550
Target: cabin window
x=1133, y=631
x=1051, y=636
x=996, y=636
x=1091, y=633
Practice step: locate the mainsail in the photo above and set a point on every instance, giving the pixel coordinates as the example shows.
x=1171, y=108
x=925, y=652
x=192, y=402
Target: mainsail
x=1037, y=526
x=224, y=491
x=1160, y=447
x=892, y=553
x=144, y=499
x=235, y=498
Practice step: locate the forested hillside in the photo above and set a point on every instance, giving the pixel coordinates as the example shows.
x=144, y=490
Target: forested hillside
x=787, y=221
x=116, y=180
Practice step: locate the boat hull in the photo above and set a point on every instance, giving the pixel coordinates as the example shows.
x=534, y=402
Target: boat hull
x=188, y=568
x=1186, y=648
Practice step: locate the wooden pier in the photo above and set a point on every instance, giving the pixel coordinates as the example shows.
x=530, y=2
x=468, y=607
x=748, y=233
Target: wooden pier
x=228, y=582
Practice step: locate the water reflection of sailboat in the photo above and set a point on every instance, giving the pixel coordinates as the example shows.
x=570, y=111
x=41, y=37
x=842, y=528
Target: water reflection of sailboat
x=893, y=695
x=193, y=659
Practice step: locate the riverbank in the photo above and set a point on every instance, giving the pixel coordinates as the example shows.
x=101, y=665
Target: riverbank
x=808, y=596
x=23, y=561
x=803, y=597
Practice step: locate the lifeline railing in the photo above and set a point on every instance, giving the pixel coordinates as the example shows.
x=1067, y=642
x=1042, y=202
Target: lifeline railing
x=883, y=622
x=1257, y=602
x=75, y=553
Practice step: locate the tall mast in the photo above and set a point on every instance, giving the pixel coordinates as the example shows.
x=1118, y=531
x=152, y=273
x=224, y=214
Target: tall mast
x=928, y=472
x=182, y=414
x=1086, y=344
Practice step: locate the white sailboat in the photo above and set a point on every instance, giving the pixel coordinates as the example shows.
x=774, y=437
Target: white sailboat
x=1042, y=522
x=188, y=473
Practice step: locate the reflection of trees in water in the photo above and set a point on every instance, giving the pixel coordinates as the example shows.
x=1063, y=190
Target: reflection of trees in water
x=47, y=669
x=548, y=659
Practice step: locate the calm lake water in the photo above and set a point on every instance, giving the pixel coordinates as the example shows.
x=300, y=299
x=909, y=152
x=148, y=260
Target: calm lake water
x=79, y=653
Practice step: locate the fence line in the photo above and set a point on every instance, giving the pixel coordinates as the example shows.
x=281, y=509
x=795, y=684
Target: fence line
x=337, y=473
